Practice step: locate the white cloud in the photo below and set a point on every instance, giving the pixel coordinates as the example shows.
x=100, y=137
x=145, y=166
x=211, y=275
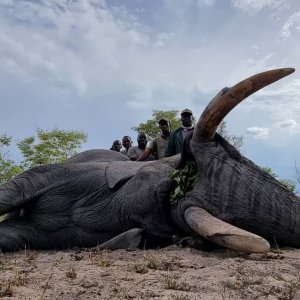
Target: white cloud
x=183, y=5
x=286, y=124
x=162, y=38
x=254, y=6
x=69, y=44
x=293, y=22
x=259, y=132
x=281, y=103
x=206, y=2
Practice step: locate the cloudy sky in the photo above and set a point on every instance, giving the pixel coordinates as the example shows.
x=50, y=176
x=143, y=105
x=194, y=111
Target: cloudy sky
x=102, y=66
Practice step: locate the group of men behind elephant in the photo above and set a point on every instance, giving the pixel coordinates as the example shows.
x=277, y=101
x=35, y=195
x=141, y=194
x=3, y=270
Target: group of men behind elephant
x=166, y=144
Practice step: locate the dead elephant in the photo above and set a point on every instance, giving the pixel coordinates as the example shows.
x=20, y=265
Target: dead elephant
x=99, y=196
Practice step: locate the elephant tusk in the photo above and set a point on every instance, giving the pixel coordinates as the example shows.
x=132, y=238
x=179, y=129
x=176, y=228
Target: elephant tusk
x=228, y=98
x=224, y=234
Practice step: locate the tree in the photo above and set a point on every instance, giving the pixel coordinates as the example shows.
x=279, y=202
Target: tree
x=297, y=173
x=287, y=183
x=298, y=176
x=151, y=126
x=235, y=140
x=8, y=168
x=52, y=146
x=152, y=129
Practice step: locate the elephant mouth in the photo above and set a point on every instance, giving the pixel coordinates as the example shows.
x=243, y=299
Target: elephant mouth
x=222, y=233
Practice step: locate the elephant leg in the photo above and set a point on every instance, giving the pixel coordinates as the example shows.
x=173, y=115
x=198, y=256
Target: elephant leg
x=14, y=235
x=20, y=233
x=129, y=240
x=133, y=239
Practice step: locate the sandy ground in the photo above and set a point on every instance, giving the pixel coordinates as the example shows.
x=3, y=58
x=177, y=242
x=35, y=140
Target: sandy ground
x=170, y=273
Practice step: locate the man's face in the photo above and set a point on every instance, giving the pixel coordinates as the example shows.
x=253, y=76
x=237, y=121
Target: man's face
x=118, y=146
x=164, y=126
x=142, y=141
x=186, y=120
x=126, y=143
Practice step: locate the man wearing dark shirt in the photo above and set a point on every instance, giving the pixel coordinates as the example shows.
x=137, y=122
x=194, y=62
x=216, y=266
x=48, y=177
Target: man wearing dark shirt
x=177, y=137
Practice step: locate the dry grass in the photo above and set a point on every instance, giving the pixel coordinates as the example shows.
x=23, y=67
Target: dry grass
x=71, y=273
x=99, y=260
x=167, y=274
x=172, y=283
x=153, y=261
x=180, y=297
x=141, y=268
x=6, y=290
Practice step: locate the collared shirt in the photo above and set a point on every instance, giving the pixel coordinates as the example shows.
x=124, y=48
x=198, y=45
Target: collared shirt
x=175, y=143
x=158, y=146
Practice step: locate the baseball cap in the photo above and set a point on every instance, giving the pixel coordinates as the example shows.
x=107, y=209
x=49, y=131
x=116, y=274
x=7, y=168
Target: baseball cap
x=126, y=137
x=187, y=111
x=162, y=120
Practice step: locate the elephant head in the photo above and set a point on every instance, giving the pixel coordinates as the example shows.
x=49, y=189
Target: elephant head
x=101, y=197
x=233, y=196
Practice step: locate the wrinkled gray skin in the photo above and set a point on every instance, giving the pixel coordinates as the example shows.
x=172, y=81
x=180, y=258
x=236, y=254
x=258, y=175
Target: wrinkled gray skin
x=235, y=190
x=85, y=201
x=99, y=194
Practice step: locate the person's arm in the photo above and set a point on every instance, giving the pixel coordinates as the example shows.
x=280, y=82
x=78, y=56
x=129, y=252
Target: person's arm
x=145, y=155
x=132, y=154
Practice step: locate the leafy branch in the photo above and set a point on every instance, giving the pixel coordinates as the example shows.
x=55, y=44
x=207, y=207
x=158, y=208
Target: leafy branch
x=185, y=179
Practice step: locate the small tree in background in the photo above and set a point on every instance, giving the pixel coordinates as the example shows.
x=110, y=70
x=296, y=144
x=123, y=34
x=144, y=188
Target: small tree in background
x=287, y=183
x=298, y=176
x=151, y=126
x=8, y=168
x=235, y=140
x=52, y=146
x=49, y=147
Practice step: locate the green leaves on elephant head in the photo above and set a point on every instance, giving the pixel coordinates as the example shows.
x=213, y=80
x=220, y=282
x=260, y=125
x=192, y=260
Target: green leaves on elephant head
x=184, y=179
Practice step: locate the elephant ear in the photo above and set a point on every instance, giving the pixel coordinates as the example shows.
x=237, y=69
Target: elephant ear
x=118, y=172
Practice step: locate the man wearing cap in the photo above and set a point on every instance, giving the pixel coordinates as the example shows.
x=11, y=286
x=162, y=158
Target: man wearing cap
x=158, y=145
x=177, y=137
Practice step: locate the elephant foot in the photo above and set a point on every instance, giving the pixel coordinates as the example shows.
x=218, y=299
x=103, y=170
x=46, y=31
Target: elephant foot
x=129, y=240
